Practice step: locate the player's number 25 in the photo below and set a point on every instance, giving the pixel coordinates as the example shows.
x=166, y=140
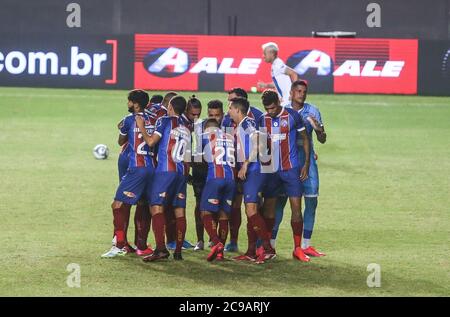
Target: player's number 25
x=220, y=153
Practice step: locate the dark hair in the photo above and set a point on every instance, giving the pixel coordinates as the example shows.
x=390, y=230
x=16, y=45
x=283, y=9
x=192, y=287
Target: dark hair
x=241, y=104
x=299, y=82
x=194, y=102
x=139, y=96
x=178, y=104
x=211, y=122
x=168, y=96
x=269, y=97
x=239, y=92
x=215, y=104
x=156, y=99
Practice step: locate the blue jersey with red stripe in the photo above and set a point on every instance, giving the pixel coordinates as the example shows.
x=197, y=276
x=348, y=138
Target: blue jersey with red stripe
x=218, y=149
x=175, y=140
x=281, y=133
x=140, y=154
x=245, y=131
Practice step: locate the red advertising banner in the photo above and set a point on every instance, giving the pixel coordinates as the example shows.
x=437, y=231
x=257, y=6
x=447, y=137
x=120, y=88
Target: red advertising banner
x=190, y=62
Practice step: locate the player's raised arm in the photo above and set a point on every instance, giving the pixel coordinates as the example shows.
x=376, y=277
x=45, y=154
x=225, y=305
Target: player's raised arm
x=151, y=140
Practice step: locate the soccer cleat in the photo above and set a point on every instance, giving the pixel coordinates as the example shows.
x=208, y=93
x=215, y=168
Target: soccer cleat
x=145, y=252
x=260, y=258
x=216, y=249
x=313, y=252
x=187, y=245
x=157, y=255
x=231, y=247
x=245, y=258
x=177, y=256
x=299, y=255
x=171, y=245
x=219, y=256
x=114, y=251
x=268, y=254
x=199, y=246
x=130, y=249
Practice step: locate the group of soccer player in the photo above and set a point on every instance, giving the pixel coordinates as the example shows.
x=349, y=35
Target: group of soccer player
x=237, y=155
x=243, y=155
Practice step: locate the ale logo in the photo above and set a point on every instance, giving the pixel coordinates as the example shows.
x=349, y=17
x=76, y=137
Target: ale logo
x=314, y=62
x=167, y=62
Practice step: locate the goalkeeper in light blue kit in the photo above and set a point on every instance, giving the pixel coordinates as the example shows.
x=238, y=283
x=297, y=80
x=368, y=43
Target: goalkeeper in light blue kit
x=313, y=122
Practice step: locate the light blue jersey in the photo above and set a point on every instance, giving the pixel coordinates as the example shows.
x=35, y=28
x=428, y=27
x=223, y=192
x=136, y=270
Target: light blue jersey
x=311, y=184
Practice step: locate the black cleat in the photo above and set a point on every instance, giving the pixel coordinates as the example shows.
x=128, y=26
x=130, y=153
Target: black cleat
x=177, y=256
x=157, y=255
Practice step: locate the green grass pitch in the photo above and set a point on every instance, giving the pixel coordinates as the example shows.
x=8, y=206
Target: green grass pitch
x=385, y=199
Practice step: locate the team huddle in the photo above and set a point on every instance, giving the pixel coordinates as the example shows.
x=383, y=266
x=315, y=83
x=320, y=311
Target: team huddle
x=244, y=155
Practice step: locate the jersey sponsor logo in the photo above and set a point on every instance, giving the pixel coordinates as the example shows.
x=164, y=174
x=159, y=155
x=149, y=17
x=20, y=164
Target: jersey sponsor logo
x=172, y=62
x=129, y=194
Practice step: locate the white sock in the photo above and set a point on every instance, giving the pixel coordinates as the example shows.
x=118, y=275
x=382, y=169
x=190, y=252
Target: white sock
x=305, y=243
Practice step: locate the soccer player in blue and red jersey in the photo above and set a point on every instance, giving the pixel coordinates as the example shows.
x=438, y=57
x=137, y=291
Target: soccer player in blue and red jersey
x=136, y=183
x=313, y=122
x=173, y=138
x=218, y=192
x=235, y=217
x=280, y=126
x=246, y=140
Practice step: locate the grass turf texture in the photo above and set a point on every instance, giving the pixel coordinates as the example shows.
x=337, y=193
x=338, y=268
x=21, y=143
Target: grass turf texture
x=384, y=175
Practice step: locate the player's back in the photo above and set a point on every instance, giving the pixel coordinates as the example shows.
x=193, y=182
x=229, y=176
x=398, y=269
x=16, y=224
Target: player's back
x=140, y=154
x=244, y=144
x=281, y=80
x=175, y=140
x=219, y=153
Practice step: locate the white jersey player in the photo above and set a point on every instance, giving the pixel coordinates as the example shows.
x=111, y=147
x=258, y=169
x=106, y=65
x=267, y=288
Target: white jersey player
x=282, y=75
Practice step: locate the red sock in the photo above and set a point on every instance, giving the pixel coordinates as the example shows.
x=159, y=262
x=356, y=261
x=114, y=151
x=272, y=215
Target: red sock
x=120, y=217
x=211, y=228
x=171, y=224
x=223, y=230
x=199, y=223
x=158, y=225
x=180, y=232
x=252, y=237
x=270, y=223
x=297, y=230
x=141, y=226
x=259, y=226
x=235, y=224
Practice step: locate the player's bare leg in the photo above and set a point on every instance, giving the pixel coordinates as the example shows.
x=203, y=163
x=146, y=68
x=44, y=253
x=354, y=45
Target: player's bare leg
x=180, y=231
x=158, y=225
x=297, y=228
